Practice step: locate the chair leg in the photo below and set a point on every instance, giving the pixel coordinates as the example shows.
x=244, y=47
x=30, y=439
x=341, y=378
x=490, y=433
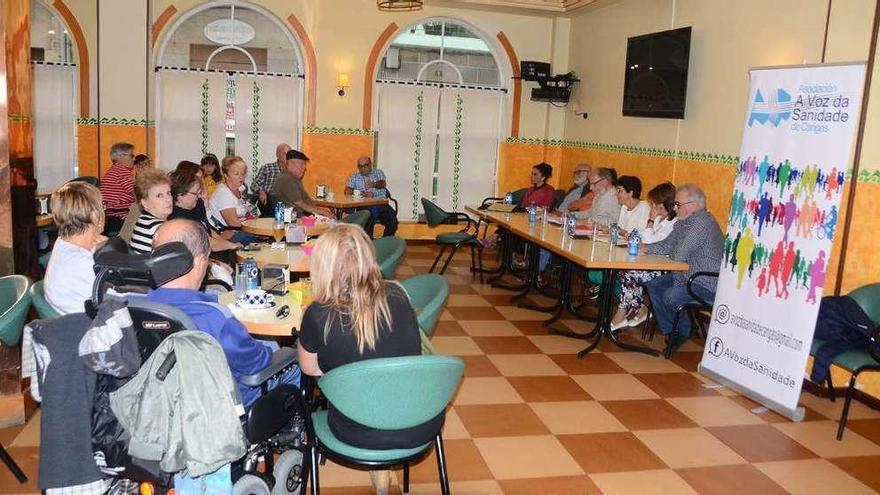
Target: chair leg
x=10, y=463
x=313, y=462
x=441, y=465
x=406, y=478
x=830, y=385
x=434, y=265
x=849, y=395
x=451, y=255
x=480, y=262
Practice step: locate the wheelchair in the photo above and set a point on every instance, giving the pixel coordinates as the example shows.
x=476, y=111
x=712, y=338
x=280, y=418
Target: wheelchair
x=273, y=424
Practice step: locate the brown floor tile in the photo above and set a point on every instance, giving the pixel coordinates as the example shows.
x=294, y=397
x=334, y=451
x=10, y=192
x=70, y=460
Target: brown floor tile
x=479, y=366
x=567, y=485
x=675, y=384
x=525, y=365
x=500, y=420
x=548, y=388
x=449, y=329
x=868, y=428
x=614, y=387
x=357, y=490
x=483, y=487
x=821, y=438
x=530, y=327
x=591, y=364
x=463, y=463
x=773, y=417
x=460, y=289
x=729, y=480
x=7, y=435
x=687, y=360
x=864, y=469
x=610, y=452
x=475, y=313
x=28, y=459
x=761, y=443
x=490, y=328
x=812, y=476
x=506, y=345
x=648, y=414
x=498, y=299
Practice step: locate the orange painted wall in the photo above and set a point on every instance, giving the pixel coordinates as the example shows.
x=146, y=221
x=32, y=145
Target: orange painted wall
x=87, y=149
x=333, y=157
x=863, y=254
x=136, y=135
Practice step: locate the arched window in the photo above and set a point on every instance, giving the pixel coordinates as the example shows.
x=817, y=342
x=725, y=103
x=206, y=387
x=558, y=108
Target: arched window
x=440, y=51
x=217, y=67
x=55, y=98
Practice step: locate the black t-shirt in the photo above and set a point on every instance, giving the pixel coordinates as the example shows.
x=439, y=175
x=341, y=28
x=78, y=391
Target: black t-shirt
x=198, y=214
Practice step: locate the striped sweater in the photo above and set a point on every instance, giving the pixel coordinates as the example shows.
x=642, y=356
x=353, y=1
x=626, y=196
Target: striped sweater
x=117, y=191
x=144, y=230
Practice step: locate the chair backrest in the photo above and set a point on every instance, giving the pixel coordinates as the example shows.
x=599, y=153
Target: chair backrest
x=87, y=178
x=518, y=195
x=868, y=298
x=38, y=297
x=15, y=300
x=434, y=215
x=427, y=294
x=402, y=392
x=389, y=253
x=360, y=217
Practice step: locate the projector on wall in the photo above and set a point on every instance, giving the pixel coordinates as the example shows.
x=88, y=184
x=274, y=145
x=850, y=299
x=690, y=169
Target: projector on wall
x=551, y=94
x=552, y=89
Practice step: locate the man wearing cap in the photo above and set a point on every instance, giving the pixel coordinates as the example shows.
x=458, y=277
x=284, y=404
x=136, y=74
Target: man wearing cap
x=289, y=188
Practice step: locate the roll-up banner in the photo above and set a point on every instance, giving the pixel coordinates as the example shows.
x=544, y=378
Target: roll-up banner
x=794, y=161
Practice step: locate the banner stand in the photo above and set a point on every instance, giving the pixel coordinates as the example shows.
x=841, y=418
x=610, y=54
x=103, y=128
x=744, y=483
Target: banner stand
x=797, y=414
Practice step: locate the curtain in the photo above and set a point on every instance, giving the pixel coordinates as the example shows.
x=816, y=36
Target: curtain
x=407, y=126
x=468, y=146
x=55, y=105
x=191, y=116
x=268, y=112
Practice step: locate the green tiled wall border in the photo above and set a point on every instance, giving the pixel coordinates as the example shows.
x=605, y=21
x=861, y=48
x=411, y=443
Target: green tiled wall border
x=114, y=121
x=342, y=131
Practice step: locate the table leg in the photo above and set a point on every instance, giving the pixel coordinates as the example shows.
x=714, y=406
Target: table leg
x=507, y=256
x=567, y=305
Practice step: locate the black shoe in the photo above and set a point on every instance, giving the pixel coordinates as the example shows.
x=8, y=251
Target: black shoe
x=673, y=342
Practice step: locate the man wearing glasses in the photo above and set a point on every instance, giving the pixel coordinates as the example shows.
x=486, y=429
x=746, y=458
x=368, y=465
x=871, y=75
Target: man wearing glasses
x=696, y=240
x=370, y=183
x=576, y=199
x=605, y=209
x=117, y=187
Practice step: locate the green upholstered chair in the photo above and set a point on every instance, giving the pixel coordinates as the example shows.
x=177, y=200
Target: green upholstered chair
x=38, y=298
x=87, y=178
x=15, y=300
x=858, y=360
x=386, y=394
x=389, y=254
x=427, y=294
x=435, y=216
x=360, y=217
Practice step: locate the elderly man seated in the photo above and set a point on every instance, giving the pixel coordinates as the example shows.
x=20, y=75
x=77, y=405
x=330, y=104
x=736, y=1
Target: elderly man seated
x=696, y=240
x=244, y=354
x=371, y=183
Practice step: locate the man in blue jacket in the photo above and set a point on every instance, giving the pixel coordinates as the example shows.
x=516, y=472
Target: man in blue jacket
x=244, y=354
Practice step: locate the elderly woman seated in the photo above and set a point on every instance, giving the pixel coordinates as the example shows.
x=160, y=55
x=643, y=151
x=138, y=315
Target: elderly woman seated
x=153, y=192
x=79, y=216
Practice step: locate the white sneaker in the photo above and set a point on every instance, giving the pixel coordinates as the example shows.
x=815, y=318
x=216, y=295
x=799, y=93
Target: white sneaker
x=638, y=319
x=621, y=324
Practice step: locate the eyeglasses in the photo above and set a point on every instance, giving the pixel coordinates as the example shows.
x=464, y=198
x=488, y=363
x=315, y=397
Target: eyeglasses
x=194, y=193
x=598, y=181
x=679, y=204
x=364, y=165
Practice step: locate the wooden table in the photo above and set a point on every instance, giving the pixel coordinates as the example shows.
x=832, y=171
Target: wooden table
x=292, y=255
x=264, y=321
x=263, y=227
x=45, y=220
x=586, y=253
x=341, y=203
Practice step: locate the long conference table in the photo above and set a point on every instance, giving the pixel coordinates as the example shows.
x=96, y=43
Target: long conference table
x=591, y=254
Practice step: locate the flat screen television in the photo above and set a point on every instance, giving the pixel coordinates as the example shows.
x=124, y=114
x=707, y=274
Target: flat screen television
x=657, y=74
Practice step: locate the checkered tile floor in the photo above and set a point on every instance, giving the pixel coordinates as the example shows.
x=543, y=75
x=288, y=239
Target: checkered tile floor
x=532, y=418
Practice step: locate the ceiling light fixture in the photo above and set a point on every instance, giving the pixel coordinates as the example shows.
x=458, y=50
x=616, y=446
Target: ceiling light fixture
x=399, y=5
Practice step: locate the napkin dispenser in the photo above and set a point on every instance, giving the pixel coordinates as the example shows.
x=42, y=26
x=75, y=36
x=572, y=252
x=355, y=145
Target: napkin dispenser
x=275, y=279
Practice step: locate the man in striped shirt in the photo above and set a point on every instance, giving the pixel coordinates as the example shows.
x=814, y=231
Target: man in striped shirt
x=696, y=239
x=117, y=187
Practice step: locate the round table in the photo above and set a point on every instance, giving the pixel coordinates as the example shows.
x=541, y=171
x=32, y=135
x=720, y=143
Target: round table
x=265, y=321
x=292, y=256
x=263, y=226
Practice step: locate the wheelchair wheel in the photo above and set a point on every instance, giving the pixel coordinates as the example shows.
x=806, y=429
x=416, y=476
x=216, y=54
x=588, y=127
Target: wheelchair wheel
x=288, y=473
x=250, y=484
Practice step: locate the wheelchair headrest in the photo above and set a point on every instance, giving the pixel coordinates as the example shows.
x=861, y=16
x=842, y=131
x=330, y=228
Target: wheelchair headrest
x=165, y=263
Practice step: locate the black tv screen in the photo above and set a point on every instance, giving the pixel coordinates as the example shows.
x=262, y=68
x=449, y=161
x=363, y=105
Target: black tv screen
x=657, y=74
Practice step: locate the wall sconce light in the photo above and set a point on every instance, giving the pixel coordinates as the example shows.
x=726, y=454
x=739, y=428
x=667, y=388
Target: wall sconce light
x=342, y=83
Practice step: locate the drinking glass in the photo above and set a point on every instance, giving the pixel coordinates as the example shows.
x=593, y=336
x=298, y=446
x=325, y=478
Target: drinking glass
x=278, y=230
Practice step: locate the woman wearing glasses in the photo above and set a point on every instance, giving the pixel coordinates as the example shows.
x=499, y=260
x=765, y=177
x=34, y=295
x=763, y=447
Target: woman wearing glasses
x=189, y=191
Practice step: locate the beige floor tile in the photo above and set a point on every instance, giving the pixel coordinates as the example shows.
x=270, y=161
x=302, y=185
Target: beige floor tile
x=457, y=279
x=422, y=262
x=660, y=481
x=519, y=314
x=525, y=365
x=466, y=300
x=527, y=457
x=636, y=362
x=332, y=474
x=614, y=387
x=485, y=487
x=821, y=438
x=832, y=410
x=812, y=476
x=490, y=328
x=579, y=326
x=715, y=411
x=405, y=271
x=445, y=315
x=555, y=344
x=486, y=390
x=453, y=428
x=419, y=248
x=576, y=417
x=721, y=389
x=688, y=447
x=30, y=434
x=456, y=346
x=488, y=290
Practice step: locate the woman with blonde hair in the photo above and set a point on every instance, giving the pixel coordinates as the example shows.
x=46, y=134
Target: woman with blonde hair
x=70, y=274
x=229, y=204
x=357, y=316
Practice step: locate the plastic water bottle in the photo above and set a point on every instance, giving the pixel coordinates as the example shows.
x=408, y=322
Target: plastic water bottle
x=570, y=223
x=508, y=198
x=253, y=280
x=533, y=213
x=614, y=234
x=279, y=212
x=634, y=239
